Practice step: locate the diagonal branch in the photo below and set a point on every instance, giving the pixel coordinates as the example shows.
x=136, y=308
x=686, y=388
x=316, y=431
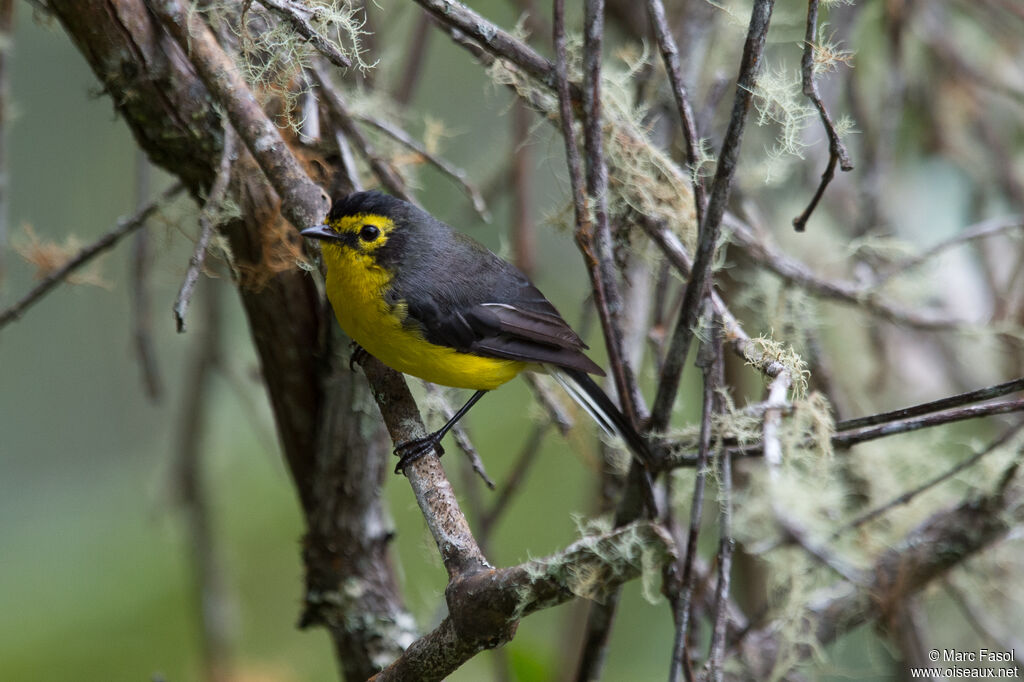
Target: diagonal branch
x=899, y=573
x=459, y=550
x=206, y=218
x=670, y=55
x=108, y=241
x=302, y=202
x=387, y=175
x=299, y=16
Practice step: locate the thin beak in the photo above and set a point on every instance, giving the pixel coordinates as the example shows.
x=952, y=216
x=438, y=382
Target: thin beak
x=322, y=232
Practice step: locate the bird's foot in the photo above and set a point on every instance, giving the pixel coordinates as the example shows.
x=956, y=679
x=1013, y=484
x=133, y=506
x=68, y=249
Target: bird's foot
x=411, y=450
x=359, y=355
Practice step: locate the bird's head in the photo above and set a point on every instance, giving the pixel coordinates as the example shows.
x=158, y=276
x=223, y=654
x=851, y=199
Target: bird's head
x=365, y=222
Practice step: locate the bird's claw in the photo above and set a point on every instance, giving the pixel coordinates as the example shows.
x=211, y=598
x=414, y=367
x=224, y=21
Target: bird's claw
x=411, y=450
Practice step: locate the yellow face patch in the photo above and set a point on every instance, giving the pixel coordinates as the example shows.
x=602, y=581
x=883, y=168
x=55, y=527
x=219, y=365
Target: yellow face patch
x=364, y=232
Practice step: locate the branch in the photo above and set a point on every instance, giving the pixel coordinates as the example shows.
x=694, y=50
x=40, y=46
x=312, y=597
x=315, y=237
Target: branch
x=496, y=41
x=206, y=216
x=341, y=115
x=798, y=273
x=124, y=227
x=945, y=540
x=302, y=202
x=459, y=550
x=299, y=15
x=682, y=594
x=700, y=277
x=981, y=394
x=908, y=419
x=670, y=55
x=836, y=149
x=438, y=162
x=981, y=230
x=909, y=495
x=484, y=606
x=594, y=237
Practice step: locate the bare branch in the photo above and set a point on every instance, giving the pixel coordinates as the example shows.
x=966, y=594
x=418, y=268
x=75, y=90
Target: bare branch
x=434, y=494
x=850, y=293
x=124, y=227
x=414, y=59
x=670, y=55
x=681, y=595
x=207, y=215
x=387, y=175
x=979, y=395
x=438, y=162
x=138, y=290
x=981, y=230
x=836, y=149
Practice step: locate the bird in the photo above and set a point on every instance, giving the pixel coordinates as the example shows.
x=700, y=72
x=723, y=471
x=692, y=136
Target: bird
x=434, y=303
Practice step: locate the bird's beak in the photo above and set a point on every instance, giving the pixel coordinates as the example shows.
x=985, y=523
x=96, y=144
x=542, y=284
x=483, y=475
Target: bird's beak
x=322, y=232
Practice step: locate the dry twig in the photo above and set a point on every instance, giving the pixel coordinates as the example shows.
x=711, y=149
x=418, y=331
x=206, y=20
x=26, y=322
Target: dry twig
x=207, y=216
x=87, y=253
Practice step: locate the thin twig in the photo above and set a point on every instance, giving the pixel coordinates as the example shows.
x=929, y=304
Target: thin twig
x=495, y=40
x=909, y=495
x=952, y=401
x=207, y=217
x=682, y=602
x=300, y=16
x=438, y=162
x=836, y=149
x=670, y=55
x=524, y=229
x=124, y=227
x=981, y=230
x=720, y=614
x=843, y=291
x=700, y=276
x=846, y=439
x=387, y=175
x=348, y=162
x=594, y=237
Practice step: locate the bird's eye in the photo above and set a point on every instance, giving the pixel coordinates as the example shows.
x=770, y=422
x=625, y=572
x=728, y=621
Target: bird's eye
x=369, y=233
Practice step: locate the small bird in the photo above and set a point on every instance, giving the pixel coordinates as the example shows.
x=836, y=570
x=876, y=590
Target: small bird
x=431, y=302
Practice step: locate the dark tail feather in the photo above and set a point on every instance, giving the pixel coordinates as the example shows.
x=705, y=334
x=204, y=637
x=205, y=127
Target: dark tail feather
x=598, y=405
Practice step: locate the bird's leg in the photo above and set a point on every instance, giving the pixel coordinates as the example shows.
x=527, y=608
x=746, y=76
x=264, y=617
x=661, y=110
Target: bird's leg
x=411, y=450
x=359, y=355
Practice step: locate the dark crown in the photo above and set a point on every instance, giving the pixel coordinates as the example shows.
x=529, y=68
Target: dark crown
x=373, y=202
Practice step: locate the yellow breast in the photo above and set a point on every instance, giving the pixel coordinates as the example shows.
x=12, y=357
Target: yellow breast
x=355, y=288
